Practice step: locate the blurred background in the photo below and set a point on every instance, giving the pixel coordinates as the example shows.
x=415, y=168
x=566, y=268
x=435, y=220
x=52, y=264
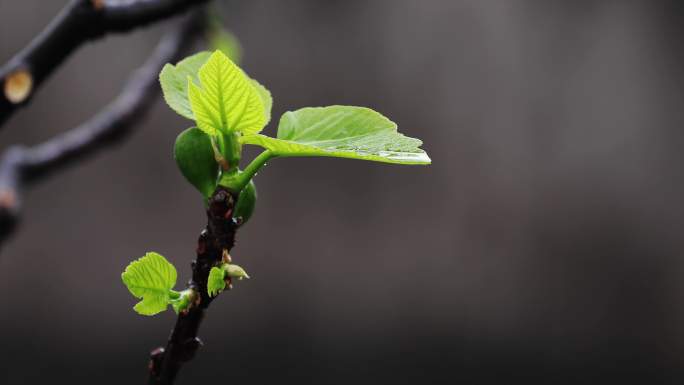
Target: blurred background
x=543, y=246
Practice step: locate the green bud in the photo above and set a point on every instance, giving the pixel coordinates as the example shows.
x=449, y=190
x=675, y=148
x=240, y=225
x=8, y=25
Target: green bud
x=183, y=301
x=235, y=271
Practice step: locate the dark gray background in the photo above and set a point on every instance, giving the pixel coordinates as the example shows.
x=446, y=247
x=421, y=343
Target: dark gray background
x=542, y=246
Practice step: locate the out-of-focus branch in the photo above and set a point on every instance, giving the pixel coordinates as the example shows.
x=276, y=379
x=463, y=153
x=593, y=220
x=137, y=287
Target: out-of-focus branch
x=20, y=166
x=78, y=22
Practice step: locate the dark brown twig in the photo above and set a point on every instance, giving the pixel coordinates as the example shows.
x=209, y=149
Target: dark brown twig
x=20, y=165
x=213, y=246
x=78, y=22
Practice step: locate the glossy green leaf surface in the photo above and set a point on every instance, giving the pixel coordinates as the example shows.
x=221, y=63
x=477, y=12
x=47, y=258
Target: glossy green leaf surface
x=151, y=279
x=343, y=132
x=195, y=158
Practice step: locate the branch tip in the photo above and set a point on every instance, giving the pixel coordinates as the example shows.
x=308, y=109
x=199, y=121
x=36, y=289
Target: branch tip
x=18, y=86
x=98, y=5
x=8, y=199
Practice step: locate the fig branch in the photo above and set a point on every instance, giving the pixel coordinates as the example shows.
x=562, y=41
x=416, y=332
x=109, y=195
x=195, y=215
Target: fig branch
x=213, y=248
x=21, y=166
x=230, y=109
x=79, y=22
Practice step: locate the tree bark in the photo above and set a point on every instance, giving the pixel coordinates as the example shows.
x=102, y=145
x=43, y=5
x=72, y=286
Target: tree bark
x=213, y=247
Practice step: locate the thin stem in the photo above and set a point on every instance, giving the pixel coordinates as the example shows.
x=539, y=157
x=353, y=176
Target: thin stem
x=237, y=181
x=230, y=150
x=254, y=166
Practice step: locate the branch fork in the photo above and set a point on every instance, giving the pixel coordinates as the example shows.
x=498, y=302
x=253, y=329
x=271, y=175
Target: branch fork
x=79, y=22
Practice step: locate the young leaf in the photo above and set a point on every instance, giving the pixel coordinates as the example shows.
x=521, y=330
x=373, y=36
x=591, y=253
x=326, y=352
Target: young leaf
x=343, y=132
x=183, y=301
x=227, y=101
x=195, y=158
x=174, y=82
x=207, y=118
x=151, y=279
x=151, y=305
x=216, y=281
x=266, y=99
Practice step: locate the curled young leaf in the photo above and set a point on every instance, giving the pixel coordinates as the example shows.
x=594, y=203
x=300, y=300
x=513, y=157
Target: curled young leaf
x=216, y=281
x=184, y=300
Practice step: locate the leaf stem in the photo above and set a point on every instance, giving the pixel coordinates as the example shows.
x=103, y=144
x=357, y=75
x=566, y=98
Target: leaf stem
x=238, y=182
x=255, y=165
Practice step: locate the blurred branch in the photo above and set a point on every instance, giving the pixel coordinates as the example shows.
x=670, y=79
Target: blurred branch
x=78, y=22
x=20, y=166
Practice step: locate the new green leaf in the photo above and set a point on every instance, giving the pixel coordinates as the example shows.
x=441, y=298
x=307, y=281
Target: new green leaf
x=195, y=158
x=208, y=119
x=266, y=100
x=183, y=301
x=174, y=82
x=227, y=100
x=216, y=281
x=150, y=278
x=343, y=132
